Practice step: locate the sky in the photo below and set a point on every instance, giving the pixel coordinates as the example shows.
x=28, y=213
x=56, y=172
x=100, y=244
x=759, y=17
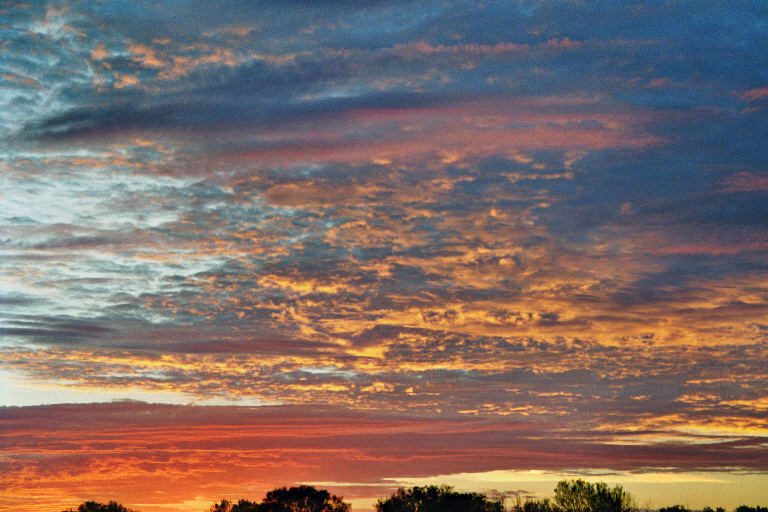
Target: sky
x=368, y=244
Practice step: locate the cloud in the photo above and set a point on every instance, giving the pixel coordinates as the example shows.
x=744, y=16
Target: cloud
x=755, y=94
x=120, y=450
x=485, y=226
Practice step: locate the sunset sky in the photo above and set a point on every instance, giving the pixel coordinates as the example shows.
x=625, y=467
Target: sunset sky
x=371, y=244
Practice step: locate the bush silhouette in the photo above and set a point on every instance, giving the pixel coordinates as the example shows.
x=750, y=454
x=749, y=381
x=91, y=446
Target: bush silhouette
x=674, y=508
x=437, y=499
x=240, y=506
x=93, y=506
x=570, y=496
x=581, y=496
x=533, y=505
x=302, y=498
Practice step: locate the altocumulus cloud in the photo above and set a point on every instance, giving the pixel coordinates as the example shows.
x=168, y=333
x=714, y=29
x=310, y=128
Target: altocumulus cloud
x=468, y=223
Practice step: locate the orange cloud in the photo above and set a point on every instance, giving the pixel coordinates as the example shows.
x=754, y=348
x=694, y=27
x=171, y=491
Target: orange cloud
x=146, y=56
x=451, y=135
x=157, y=457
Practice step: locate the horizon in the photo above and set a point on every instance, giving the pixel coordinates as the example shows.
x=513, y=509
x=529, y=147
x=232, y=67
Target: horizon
x=518, y=500
x=367, y=245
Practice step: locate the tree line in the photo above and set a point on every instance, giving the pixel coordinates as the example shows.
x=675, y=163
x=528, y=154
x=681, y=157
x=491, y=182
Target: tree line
x=569, y=496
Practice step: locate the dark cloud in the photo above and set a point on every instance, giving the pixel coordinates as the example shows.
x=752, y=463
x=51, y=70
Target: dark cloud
x=256, y=95
x=54, y=329
x=17, y=300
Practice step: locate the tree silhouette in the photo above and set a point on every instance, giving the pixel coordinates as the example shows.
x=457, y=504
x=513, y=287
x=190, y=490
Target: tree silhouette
x=223, y=506
x=570, y=496
x=93, y=506
x=437, y=499
x=246, y=506
x=303, y=498
x=533, y=505
x=674, y=508
x=240, y=506
x=581, y=496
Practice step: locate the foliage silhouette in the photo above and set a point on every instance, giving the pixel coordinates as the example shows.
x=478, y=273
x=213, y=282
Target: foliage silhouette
x=437, y=499
x=240, y=506
x=570, y=496
x=533, y=505
x=581, y=496
x=674, y=508
x=93, y=506
x=303, y=498
x=246, y=506
x=223, y=506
